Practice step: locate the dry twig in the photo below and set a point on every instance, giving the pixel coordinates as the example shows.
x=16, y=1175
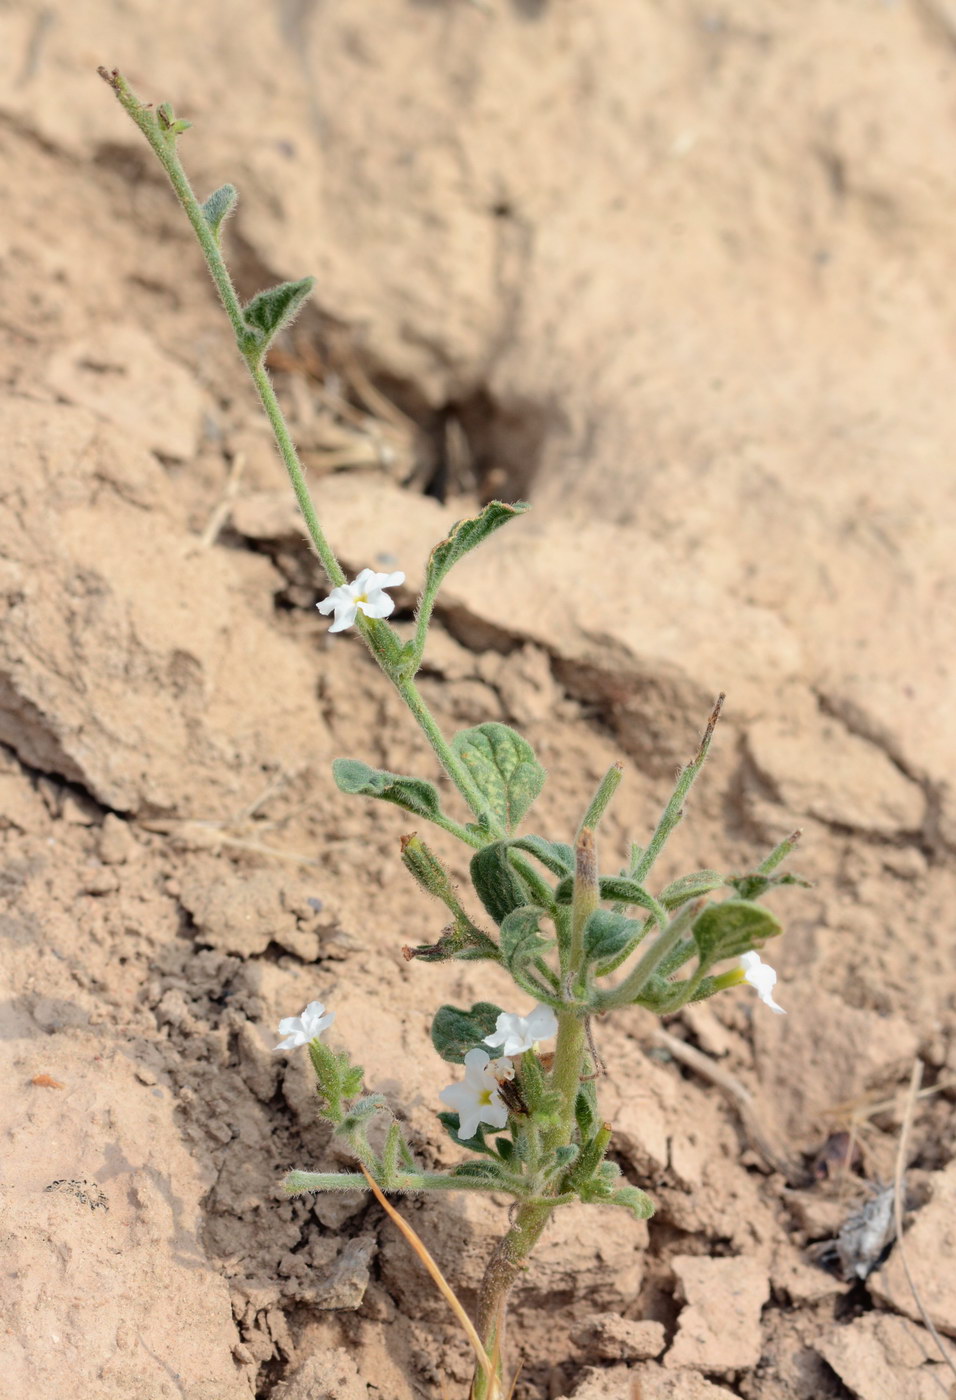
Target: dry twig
x=915, y=1081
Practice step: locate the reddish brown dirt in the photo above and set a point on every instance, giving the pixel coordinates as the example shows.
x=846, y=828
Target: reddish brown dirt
x=680, y=275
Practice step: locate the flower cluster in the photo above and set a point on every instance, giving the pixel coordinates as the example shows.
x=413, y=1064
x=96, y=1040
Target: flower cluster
x=477, y=1098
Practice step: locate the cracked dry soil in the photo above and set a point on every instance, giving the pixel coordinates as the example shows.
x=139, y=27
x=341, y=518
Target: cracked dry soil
x=680, y=276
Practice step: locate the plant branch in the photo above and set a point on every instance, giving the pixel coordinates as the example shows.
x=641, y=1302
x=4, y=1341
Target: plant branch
x=674, y=809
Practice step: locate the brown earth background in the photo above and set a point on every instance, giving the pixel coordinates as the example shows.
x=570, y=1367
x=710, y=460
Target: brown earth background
x=682, y=276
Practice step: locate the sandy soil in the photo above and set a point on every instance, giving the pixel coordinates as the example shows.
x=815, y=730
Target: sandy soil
x=681, y=275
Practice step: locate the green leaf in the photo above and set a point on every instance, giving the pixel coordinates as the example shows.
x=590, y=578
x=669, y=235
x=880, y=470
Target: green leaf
x=463, y=942
x=564, y=1156
x=736, y=926
x=635, y=1200
x=606, y=934
x=656, y=994
x=362, y=1111
x=755, y=885
x=616, y=889
x=220, y=204
x=532, y=1080
x=490, y=1171
x=497, y=884
x=520, y=940
x=168, y=122
x=691, y=887
x=464, y=536
x=450, y=1123
x=585, y=1112
x=556, y=856
x=455, y=1032
x=504, y=768
x=269, y=312
x=352, y=1076
x=413, y=794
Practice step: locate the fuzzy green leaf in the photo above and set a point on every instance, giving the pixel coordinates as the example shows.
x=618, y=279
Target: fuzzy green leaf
x=498, y=885
x=362, y=1111
x=585, y=1112
x=504, y=768
x=520, y=940
x=616, y=889
x=455, y=1032
x=450, y=1123
x=635, y=1200
x=506, y=1148
x=414, y=794
x=272, y=310
x=606, y=934
x=220, y=204
x=556, y=856
x=736, y=926
x=755, y=885
x=490, y=1171
x=464, y=536
x=691, y=887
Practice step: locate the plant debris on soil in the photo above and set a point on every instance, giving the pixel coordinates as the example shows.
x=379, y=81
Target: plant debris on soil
x=681, y=277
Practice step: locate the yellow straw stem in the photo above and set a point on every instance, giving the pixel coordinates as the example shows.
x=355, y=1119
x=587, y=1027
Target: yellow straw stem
x=444, y=1288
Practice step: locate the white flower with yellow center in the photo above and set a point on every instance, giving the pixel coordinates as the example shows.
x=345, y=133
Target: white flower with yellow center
x=364, y=594
x=476, y=1098
x=299, y=1030
x=516, y=1034
x=763, y=978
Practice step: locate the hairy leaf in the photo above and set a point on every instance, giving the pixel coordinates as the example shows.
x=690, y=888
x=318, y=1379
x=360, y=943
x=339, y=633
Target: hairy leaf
x=736, y=926
x=606, y=934
x=556, y=856
x=414, y=794
x=220, y=204
x=520, y=940
x=497, y=884
x=270, y=311
x=455, y=1032
x=450, y=1123
x=504, y=768
x=691, y=887
x=466, y=535
x=755, y=885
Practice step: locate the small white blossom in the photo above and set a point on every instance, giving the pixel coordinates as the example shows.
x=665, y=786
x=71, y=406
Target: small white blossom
x=515, y=1034
x=365, y=594
x=762, y=978
x=299, y=1030
x=476, y=1098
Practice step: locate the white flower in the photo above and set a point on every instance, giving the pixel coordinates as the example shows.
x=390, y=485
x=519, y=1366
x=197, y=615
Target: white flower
x=762, y=978
x=299, y=1030
x=365, y=594
x=515, y=1034
x=476, y=1098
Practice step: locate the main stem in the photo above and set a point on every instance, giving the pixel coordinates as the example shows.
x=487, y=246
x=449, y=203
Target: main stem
x=511, y=1253
x=530, y=1219
x=162, y=138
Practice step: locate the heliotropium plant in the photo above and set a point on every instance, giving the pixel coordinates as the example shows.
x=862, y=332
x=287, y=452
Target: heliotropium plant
x=577, y=943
